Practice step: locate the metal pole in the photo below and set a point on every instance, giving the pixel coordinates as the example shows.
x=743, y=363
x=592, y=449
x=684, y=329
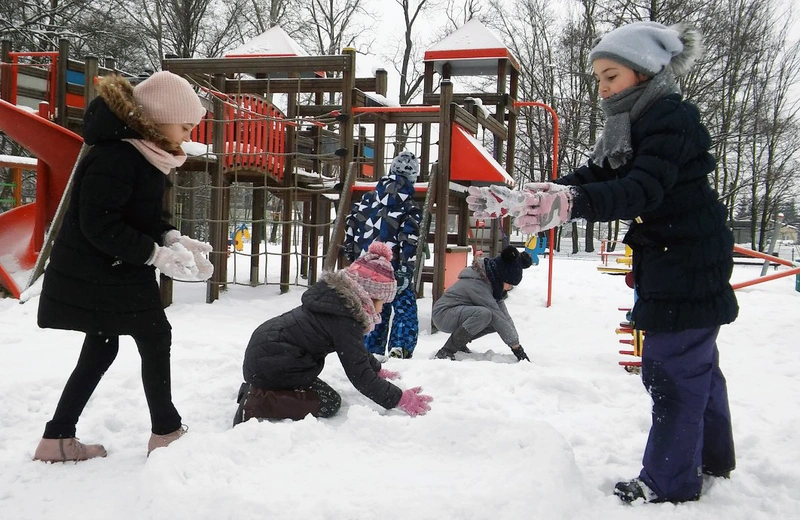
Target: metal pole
x=776, y=232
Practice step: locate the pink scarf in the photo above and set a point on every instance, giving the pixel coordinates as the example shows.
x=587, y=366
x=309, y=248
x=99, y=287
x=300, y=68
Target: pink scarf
x=161, y=159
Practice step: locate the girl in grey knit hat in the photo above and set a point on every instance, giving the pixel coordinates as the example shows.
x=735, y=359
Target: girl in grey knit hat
x=651, y=166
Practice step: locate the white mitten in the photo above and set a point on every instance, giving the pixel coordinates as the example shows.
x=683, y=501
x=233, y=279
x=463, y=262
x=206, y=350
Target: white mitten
x=174, y=236
x=170, y=237
x=174, y=261
x=493, y=201
x=514, y=201
x=195, y=246
x=204, y=266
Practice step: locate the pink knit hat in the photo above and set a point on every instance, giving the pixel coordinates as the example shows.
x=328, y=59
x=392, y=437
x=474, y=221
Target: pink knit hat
x=167, y=98
x=374, y=272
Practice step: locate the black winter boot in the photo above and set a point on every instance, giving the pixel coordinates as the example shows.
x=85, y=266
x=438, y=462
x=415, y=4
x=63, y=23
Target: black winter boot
x=457, y=342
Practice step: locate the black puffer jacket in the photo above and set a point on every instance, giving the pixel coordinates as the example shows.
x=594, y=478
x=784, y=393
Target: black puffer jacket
x=97, y=281
x=682, y=248
x=288, y=351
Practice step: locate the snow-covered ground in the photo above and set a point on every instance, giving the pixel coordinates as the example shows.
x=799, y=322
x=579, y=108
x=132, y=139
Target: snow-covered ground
x=545, y=440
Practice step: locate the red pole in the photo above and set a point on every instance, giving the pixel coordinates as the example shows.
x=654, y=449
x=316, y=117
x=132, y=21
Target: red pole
x=767, y=278
x=553, y=176
x=763, y=256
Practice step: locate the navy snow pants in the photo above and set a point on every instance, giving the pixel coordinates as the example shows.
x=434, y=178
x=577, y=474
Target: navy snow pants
x=691, y=422
x=404, y=327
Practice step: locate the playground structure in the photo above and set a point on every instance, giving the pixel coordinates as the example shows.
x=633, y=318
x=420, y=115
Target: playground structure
x=326, y=142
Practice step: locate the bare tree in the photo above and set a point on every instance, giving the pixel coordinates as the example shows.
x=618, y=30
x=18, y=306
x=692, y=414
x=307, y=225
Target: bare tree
x=407, y=60
x=331, y=25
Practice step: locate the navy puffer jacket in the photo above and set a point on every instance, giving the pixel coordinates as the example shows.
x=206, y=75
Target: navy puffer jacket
x=682, y=247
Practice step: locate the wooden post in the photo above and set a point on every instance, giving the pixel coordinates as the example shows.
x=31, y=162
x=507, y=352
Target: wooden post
x=361, y=145
x=313, y=265
x=289, y=192
x=326, y=231
x=61, y=83
x=499, y=115
x=219, y=256
x=305, y=239
x=425, y=153
x=6, y=71
x=316, y=136
x=379, y=158
x=346, y=129
x=346, y=143
x=257, y=233
x=91, y=67
x=442, y=187
x=512, y=122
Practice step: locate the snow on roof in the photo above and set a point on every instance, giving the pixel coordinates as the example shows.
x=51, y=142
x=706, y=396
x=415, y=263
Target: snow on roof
x=272, y=42
x=471, y=35
x=468, y=50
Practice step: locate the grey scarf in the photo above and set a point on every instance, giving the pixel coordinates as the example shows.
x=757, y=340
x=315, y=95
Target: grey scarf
x=625, y=108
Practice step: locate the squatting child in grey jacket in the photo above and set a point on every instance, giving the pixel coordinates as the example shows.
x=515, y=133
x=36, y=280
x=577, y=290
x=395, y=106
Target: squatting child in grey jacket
x=473, y=306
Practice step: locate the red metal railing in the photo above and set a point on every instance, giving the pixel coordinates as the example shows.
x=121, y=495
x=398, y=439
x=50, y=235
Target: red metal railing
x=254, y=135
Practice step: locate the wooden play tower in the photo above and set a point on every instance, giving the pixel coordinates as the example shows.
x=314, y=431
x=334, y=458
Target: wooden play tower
x=327, y=143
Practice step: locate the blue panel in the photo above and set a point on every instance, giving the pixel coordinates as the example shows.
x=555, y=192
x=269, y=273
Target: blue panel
x=76, y=78
x=369, y=152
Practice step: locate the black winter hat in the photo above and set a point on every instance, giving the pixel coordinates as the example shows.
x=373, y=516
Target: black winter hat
x=508, y=265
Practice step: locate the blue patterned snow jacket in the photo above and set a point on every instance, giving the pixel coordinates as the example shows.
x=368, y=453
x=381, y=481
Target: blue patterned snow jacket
x=389, y=214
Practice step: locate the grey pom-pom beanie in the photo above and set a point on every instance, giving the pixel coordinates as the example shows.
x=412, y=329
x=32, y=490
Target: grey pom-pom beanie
x=648, y=47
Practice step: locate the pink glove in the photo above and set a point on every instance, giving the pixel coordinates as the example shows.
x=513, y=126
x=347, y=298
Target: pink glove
x=414, y=403
x=545, y=210
x=175, y=262
x=388, y=374
x=494, y=201
x=195, y=246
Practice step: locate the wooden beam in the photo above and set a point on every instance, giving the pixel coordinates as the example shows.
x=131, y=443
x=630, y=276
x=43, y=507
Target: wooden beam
x=61, y=83
x=486, y=98
x=257, y=65
x=288, y=86
x=464, y=118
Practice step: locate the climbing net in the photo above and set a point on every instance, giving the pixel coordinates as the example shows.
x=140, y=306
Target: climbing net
x=273, y=201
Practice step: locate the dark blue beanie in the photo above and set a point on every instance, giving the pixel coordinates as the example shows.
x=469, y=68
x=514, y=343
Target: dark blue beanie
x=506, y=267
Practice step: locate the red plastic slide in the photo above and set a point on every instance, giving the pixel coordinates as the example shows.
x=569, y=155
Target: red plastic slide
x=22, y=229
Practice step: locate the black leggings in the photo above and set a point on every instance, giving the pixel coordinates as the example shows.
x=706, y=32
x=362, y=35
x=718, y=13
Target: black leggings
x=96, y=356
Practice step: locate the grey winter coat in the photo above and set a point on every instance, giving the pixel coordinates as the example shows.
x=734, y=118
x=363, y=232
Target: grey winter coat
x=288, y=352
x=473, y=289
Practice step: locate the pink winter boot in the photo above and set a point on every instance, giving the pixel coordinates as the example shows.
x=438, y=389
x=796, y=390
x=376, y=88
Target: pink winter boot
x=63, y=450
x=162, y=441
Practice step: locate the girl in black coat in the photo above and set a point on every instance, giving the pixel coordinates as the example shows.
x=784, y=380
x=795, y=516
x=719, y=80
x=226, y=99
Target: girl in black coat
x=101, y=276
x=651, y=166
x=287, y=353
